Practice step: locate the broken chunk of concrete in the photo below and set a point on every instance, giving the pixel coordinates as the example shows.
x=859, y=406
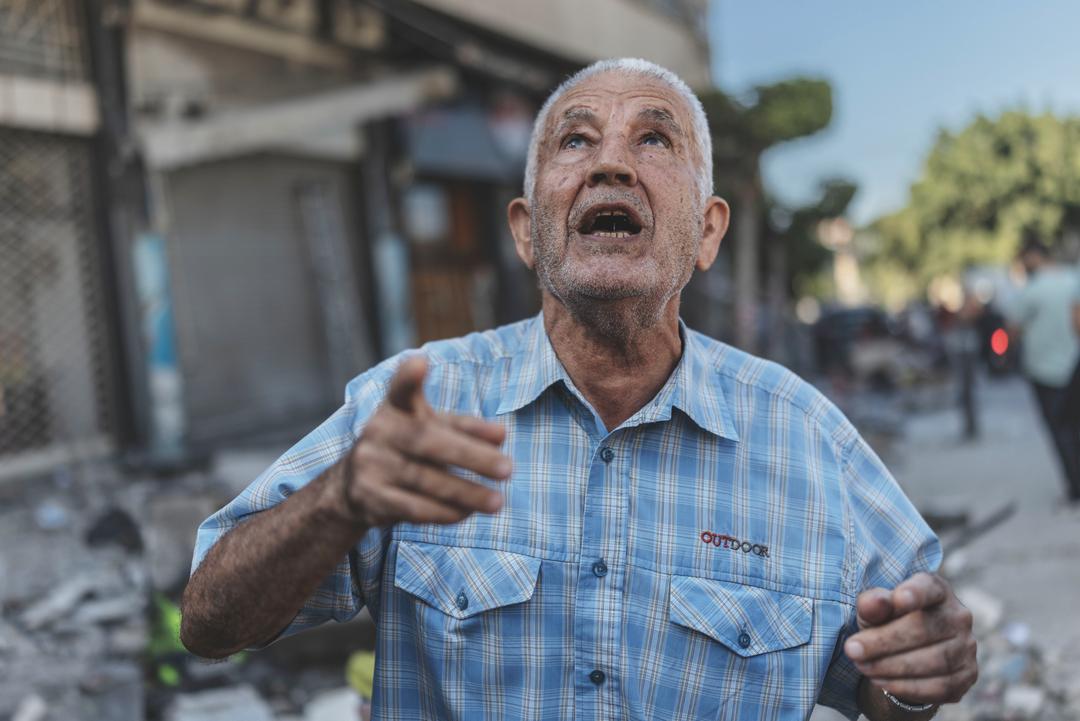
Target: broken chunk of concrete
x=338, y=705
x=236, y=703
x=1025, y=700
x=987, y=610
x=31, y=708
x=119, y=608
x=59, y=603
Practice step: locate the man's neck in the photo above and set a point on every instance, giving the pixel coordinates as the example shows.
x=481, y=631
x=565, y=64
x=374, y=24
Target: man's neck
x=616, y=375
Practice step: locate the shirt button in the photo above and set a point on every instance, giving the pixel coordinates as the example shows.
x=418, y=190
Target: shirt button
x=462, y=601
x=744, y=640
x=607, y=455
x=599, y=568
x=597, y=677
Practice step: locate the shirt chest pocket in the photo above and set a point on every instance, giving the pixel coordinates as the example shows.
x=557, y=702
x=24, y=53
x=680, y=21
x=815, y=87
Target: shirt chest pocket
x=462, y=582
x=754, y=624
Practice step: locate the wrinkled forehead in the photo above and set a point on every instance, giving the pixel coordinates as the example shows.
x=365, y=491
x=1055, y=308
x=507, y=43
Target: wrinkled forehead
x=617, y=93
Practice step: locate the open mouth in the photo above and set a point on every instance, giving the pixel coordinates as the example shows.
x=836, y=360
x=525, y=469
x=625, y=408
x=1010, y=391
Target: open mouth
x=608, y=222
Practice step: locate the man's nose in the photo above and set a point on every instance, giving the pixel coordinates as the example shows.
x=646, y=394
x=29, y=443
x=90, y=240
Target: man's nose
x=611, y=168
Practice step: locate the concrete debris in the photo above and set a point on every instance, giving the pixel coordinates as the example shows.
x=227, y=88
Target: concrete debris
x=955, y=564
x=236, y=703
x=13, y=641
x=75, y=636
x=170, y=537
x=1016, y=633
x=111, y=610
x=128, y=640
x=339, y=705
x=114, y=692
x=1024, y=700
x=59, y=603
x=31, y=708
x=1017, y=680
x=987, y=610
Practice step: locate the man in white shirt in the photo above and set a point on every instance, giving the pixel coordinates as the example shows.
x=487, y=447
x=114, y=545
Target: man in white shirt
x=1043, y=313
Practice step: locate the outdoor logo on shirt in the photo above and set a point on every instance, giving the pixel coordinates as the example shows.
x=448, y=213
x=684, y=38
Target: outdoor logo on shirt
x=726, y=541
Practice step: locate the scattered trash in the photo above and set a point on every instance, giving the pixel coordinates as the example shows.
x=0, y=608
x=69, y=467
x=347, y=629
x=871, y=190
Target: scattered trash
x=360, y=673
x=51, y=515
x=1016, y=633
x=115, y=526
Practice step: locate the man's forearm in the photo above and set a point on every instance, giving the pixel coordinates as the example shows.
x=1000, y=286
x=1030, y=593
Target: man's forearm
x=876, y=707
x=257, y=577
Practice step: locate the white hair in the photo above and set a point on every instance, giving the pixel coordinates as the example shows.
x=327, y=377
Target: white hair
x=641, y=68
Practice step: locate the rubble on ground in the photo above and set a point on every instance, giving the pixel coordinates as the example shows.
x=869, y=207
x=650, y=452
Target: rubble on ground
x=1018, y=680
x=88, y=630
x=94, y=561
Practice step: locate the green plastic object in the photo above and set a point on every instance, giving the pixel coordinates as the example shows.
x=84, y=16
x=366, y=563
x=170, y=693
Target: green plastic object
x=360, y=672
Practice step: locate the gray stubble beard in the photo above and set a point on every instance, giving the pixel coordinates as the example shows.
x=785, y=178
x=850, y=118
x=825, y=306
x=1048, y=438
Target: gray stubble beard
x=614, y=314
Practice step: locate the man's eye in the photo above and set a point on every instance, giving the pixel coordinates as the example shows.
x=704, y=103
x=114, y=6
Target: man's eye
x=654, y=139
x=575, y=142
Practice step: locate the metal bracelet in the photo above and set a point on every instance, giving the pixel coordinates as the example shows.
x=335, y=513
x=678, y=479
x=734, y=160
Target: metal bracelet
x=910, y=708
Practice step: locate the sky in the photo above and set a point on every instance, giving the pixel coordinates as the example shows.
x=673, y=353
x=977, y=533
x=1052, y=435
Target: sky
x=900, y=71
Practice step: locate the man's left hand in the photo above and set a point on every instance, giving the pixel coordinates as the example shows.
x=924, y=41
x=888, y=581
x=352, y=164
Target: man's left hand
x=915, y=641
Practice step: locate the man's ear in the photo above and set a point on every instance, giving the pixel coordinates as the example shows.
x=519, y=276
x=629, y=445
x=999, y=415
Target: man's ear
x=517, y=215
x=717, y=215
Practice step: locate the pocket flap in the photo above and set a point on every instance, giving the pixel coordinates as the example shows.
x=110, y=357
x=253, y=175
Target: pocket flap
x=747, y=619
x=463, y=582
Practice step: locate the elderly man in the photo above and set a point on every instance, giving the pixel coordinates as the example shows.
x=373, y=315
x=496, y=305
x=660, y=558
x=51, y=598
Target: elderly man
x=596, y=513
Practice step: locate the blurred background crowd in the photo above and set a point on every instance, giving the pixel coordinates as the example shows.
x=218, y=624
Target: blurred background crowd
x=213, y=213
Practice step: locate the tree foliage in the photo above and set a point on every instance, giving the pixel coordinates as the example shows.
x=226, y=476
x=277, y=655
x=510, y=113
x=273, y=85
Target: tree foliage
x=742, y=129
x=807, y=258
x=980, y=189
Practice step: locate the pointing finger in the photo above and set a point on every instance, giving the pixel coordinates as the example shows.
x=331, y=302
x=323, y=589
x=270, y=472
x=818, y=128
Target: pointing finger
x=407, y=386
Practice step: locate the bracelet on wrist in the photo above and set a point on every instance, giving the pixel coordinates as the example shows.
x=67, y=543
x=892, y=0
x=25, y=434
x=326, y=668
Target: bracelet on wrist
x=910, y=708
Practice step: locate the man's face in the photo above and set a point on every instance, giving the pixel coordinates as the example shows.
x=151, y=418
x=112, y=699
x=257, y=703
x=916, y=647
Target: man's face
x=616, y=212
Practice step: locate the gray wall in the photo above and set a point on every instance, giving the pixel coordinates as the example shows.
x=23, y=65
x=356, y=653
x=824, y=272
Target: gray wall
x=258, y=287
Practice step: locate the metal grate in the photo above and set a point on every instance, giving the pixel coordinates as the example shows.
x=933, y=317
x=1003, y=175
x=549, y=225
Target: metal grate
x=53, y=380
x=42, y=38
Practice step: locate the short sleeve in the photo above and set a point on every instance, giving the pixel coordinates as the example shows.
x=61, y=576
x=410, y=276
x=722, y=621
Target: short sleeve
x=355, y=581
x=888, y=543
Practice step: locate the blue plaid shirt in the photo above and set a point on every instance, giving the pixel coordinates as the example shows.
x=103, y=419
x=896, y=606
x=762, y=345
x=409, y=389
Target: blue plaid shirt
x=700, y=561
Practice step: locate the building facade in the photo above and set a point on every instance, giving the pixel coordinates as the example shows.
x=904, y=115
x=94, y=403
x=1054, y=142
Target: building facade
x=292, y=190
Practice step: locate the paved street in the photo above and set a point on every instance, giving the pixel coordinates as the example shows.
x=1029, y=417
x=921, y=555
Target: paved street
x=1029, y=562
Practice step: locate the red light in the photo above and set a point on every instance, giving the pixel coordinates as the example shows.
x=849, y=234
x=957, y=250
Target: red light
x=999, y=341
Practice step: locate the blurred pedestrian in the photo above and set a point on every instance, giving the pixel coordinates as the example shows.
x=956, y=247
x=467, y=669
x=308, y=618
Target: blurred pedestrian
x=962, y=340
x=1043, y=313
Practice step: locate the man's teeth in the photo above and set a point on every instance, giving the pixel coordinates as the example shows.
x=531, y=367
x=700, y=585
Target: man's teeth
x=611, y=233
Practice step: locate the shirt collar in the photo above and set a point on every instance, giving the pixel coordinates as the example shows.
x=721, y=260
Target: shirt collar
x=533, y=369
x=695, y=389
x=692, y=387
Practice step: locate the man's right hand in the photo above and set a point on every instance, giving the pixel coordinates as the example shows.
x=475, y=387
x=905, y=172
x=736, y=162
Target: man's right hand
x=398, y=470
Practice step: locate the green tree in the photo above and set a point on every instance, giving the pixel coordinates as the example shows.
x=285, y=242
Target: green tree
x=742, y=130
x=806, y=257
x=980, y=189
